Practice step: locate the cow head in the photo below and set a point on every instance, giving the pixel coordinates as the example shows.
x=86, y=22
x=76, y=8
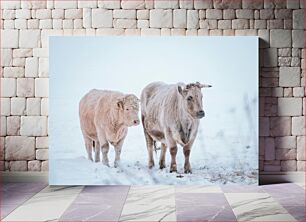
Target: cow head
x=129, y=108
x=192, y=99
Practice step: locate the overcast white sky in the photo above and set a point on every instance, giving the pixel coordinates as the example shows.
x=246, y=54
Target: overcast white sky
x=128, y=64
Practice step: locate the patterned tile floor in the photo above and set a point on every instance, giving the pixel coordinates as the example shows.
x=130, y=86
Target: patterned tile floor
x=39, y=202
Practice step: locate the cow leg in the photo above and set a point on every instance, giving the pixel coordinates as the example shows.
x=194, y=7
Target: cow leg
x=187, y=150
x=162, y=162
x=118, y=148
x=173, y=152
x=88, y=145
x=187, y=167
x=97, y=151
x=149, y=142
x=105, y=149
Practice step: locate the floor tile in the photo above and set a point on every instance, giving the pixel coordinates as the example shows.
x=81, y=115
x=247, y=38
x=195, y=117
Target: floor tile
x=22, y=187
x=257, y=207
x=97, y=204
x=283, y=188
x=203, y=207
x=298, y=212
x=241, y=189
x=291, y=199
x=47, y=205
x=198, y=189
x=149, y=203
x=15, y=194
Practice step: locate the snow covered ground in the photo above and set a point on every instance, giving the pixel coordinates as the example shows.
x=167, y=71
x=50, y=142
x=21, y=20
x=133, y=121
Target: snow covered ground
x=220, y=155
x=226, y=147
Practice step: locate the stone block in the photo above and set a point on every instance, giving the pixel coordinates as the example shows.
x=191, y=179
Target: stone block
x=13, y=125
x=224, y=24
x=280, y=126
x=143, y=14
x=150, y=32
x=240, y=24
x=269, y=149
x=44, y=106
x=13, y=72
x=227, y=4
x=289, y=76
x=280, y=38
x=19, y=148
x=42, y=154
x=25, y=87
x=160, y=18
x=298, y=92
x=8, y=87
x=285, y=142
x=18, y=166
x=29, y=38
x=41, y=87
x=111, y=4
x=34, y=165
x=10, y=5
x=43, y=68
x=18, y=106
x=288, y=165
x=264, y=126
x=33, y=106
x=125, y=23
x=142, y=24
x=298, y=19
x=3, y=129
x=192, y=19
x=42, y=142
x=34, y=126
x=133, y=4
x=285, y=154
x=5, y=106
x=66, y=4
x=214, y=14
x=9, y=38
x=45, y=165
x=252, y=4
x=245, y=14
x=73, y=13
x=166, y=4
x=31, y=67
x=124, y=14
x=102, y=18
x=301, y=148
x=298, y=38
x=298, y=125
x=289, y=106
x=179, y=18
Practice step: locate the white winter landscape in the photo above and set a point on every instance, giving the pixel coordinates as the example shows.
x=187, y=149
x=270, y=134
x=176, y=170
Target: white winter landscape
x=226, y=147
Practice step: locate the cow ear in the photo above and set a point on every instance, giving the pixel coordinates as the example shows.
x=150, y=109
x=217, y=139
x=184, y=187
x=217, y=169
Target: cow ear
x=120, y=104
x=181, y=90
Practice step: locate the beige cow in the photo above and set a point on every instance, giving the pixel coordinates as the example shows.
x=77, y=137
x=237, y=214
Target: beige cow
x=170, y=114
x=104, y=118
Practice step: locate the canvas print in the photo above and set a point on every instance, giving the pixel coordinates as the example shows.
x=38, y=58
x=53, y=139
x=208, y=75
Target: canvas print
x=153, y=111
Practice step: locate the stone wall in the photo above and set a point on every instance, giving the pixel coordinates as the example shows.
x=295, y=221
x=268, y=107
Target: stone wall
x=26, y=26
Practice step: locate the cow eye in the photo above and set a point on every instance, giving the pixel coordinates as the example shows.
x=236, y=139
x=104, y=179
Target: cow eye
x=189, y=98
x=127, y=109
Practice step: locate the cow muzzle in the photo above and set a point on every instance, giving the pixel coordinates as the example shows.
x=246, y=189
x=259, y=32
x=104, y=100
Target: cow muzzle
x=136, y=122
x=200, y=114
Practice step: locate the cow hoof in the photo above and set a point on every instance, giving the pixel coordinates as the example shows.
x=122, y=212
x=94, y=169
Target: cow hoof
x=173, y=169
x=97, y=160
x=162, y=166
x=151, y=164
x=106, y=164
x=116, y=164
x=188, y=171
